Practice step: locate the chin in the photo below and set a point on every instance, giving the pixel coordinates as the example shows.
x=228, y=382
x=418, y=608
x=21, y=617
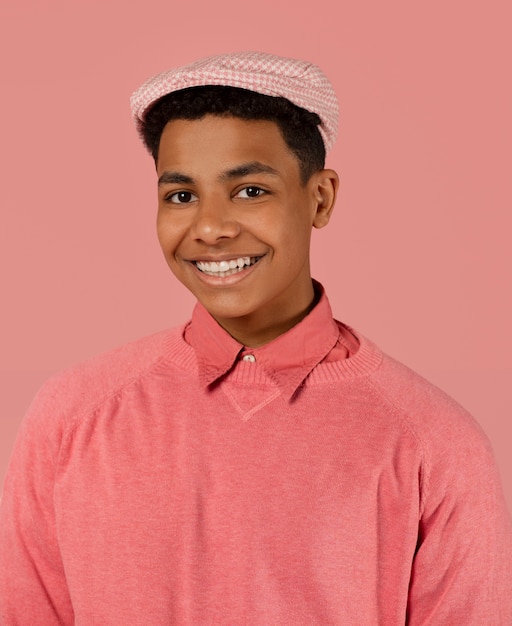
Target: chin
x=230, y=308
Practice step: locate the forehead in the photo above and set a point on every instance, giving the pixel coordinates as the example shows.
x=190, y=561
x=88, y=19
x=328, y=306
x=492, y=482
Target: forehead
x=216, y=142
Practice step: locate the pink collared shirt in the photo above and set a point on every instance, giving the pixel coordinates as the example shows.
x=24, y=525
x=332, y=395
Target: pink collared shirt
x=287, y=360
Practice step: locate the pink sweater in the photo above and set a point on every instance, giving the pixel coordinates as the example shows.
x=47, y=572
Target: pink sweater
x=316, y=482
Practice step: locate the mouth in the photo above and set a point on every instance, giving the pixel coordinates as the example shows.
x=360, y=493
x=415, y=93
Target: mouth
x=226, y=268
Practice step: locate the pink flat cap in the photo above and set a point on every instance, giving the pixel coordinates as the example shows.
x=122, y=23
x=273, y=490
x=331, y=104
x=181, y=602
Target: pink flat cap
x=303, y=83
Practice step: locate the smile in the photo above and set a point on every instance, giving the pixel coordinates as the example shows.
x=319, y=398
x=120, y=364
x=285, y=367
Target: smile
x=226, y=268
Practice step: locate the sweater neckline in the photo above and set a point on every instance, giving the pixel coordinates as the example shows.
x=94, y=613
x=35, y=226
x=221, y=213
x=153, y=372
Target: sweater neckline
x=363, y=363
x=302, y=355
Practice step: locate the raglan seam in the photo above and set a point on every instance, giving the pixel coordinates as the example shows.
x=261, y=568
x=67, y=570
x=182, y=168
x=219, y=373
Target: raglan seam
x=405, y=419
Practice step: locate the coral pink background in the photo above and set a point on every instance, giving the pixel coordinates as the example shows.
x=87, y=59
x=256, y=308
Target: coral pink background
x=418, y=256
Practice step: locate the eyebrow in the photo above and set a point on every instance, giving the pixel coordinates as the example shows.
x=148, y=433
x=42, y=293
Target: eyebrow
x=175, y=177
x=244, y=169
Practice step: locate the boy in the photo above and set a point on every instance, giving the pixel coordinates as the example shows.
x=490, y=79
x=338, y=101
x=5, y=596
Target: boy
x=263, y=464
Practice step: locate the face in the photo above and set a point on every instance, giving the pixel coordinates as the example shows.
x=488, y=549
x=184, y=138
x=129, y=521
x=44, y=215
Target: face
x=235, y=220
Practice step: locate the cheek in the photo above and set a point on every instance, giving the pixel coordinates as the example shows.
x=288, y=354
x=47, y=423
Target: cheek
x=169, y=233
x=295, y=232
x=161, y=233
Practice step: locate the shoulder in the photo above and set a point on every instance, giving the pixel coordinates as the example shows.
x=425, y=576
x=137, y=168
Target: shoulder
x=429, y=411
x=83, y=387
x=456, y=460
x=118, y=366
x=456, y=451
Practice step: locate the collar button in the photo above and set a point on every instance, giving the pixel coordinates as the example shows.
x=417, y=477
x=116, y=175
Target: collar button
x=249, y=358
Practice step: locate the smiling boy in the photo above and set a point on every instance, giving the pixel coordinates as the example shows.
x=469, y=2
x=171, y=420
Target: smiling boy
x=235, y=220
x=263, y=463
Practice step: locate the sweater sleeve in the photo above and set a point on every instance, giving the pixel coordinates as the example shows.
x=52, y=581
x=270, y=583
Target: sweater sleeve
x=462, y=570
x=33, y=587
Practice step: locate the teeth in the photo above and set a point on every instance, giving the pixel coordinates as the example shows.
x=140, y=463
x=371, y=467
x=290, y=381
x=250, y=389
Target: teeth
x=224, y=268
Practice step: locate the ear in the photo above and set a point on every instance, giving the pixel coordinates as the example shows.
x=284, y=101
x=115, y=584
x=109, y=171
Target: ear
x=325, y=184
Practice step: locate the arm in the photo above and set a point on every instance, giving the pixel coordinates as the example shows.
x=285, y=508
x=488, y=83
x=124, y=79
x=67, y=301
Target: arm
x=33, y=589
x=462, y=571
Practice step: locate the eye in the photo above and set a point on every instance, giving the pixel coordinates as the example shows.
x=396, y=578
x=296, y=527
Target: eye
x=251, y=192
x=180, y=197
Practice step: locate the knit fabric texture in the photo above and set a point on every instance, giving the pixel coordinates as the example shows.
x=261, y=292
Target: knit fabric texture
x=172, y=481
x=302, y=83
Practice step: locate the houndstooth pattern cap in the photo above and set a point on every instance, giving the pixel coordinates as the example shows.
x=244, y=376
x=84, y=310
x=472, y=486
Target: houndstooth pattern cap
x=301, y=82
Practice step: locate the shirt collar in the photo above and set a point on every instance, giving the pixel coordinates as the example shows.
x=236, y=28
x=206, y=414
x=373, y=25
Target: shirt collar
x=287, y=360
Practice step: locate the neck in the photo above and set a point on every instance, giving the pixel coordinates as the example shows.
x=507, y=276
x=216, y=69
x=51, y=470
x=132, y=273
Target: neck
x=255, y=333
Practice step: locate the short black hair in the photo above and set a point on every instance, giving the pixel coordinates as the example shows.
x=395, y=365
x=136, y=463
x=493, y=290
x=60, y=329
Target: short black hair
x=298, y=126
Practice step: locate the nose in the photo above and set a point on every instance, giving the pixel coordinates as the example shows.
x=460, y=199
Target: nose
x=214, y=221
